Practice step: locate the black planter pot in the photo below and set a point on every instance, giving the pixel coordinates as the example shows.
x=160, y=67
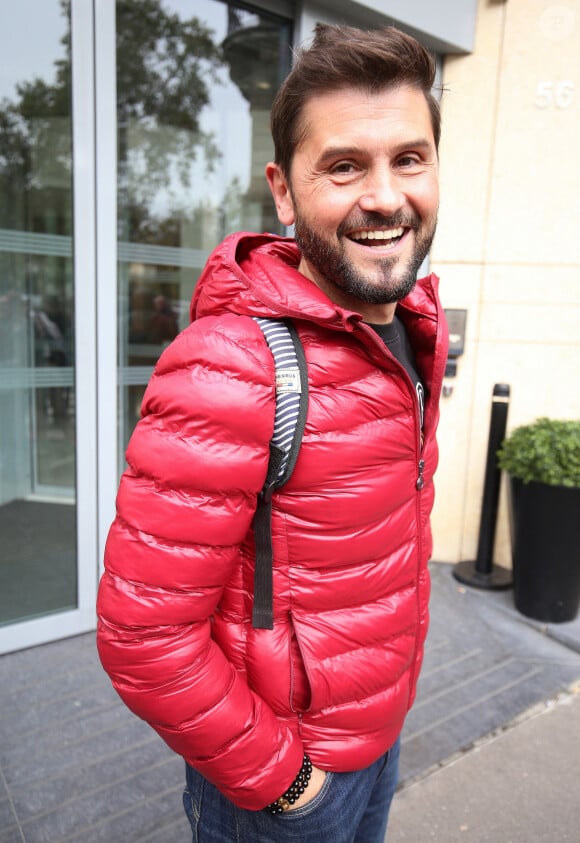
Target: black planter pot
x=545, y=550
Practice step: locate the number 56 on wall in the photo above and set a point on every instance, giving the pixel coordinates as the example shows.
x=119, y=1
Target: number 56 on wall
x=559, y=94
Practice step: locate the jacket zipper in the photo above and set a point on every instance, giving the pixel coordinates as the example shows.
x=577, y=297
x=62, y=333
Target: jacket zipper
x=420, y=479
x=419, y=484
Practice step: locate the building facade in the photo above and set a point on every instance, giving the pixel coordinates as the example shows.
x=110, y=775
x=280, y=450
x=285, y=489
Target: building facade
x=133, y=137
x=507, y=247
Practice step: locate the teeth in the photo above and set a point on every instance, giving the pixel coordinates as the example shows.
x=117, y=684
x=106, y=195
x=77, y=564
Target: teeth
x=391, y=234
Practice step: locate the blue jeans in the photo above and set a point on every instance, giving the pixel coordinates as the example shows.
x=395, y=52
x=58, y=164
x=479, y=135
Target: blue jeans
x=350, y=808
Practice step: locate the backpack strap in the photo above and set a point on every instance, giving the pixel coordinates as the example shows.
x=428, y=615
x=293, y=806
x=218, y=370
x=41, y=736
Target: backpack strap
x=289, y=421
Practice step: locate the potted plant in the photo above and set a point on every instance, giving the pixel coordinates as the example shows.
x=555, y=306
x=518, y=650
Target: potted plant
x=542, y=460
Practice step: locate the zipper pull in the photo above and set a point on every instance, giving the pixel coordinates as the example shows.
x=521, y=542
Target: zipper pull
x=420, y=479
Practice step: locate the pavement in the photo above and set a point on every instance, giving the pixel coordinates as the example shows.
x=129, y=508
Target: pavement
x=490, y=751
x=520, y=785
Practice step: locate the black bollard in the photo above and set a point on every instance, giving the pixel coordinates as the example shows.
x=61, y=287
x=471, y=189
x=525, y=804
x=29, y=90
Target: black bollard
x=481, y=572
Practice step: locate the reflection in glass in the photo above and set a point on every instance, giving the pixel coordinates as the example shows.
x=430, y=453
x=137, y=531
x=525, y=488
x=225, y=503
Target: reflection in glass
x=194, y=97
x=37, y=429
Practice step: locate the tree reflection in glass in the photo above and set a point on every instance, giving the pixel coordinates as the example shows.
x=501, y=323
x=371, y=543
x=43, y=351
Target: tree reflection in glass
x=194, y=96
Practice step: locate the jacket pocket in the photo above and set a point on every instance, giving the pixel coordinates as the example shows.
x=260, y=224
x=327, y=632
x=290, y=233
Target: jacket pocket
x=300, y=691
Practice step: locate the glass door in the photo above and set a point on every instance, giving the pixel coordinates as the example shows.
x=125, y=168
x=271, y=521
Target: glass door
x=40, y=587
x=133, y=138
x=37, y=386
x=195, y=83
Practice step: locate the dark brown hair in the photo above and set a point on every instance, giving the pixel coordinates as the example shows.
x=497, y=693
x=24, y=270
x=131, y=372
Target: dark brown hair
x=344, y=56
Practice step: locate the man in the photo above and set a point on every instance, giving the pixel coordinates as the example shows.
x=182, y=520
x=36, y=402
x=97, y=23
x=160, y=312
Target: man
x=292, y=733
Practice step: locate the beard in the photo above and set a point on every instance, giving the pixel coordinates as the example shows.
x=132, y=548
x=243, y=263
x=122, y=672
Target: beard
x=390, y=280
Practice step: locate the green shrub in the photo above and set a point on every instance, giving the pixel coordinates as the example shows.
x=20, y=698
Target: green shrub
x=545, y=451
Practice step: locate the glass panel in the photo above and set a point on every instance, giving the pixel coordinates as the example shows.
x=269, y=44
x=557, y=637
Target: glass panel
x=37, y=395
x=195, y=83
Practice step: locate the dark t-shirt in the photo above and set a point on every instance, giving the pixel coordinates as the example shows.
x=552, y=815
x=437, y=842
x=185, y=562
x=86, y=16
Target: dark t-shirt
x=395, y=338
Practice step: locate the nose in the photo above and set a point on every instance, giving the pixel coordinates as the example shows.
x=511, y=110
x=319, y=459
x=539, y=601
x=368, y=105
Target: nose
x=381, y=192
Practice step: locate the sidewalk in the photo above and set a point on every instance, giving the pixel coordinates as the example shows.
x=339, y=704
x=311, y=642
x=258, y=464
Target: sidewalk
x=485, y=664
x=519, y=782
x=520, y=786
x=76, y=765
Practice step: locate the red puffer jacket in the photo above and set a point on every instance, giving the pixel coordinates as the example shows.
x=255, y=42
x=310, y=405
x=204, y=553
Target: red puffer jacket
x=351, y=538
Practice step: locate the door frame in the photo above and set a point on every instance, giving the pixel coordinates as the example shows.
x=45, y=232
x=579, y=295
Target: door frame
x=94, y=260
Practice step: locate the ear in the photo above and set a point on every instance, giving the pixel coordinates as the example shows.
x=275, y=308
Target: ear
x=281, y=193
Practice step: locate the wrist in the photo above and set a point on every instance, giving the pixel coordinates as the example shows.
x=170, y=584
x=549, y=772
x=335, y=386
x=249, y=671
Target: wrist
x=295, y=791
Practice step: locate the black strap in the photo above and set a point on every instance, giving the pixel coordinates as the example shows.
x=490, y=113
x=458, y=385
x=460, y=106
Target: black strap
x=262, y=614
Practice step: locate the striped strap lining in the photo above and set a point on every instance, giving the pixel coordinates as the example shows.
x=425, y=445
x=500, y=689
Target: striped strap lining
x=288, y=387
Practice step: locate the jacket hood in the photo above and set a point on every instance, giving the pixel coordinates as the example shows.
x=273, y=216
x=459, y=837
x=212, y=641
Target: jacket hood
x=257, y=275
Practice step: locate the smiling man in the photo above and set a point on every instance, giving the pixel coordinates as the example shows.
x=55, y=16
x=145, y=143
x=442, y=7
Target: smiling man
x=291, y=733
x=362, y=193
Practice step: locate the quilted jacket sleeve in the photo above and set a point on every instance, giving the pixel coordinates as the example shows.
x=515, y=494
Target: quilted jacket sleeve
x=196, y=461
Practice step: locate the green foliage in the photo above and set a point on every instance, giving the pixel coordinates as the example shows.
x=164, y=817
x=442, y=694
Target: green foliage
x=545, y=451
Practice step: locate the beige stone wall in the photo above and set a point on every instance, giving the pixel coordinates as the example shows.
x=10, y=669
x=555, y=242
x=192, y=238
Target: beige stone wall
x=508, y=243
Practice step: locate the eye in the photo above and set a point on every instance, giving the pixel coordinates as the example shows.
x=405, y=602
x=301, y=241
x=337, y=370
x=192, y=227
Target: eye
x=343, y=168
x=407, y=161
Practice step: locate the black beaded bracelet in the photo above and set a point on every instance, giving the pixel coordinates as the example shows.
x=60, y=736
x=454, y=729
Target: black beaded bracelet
x=298, y=786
